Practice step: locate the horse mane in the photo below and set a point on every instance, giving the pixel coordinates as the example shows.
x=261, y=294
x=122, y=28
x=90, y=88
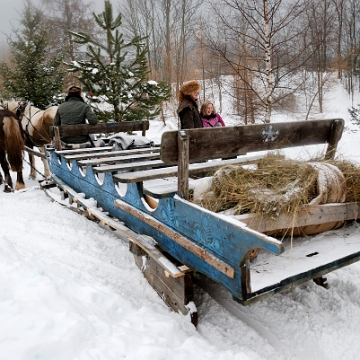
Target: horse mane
x=14, y=140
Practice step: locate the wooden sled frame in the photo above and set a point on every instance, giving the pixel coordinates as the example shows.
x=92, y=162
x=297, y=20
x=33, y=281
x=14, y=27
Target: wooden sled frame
x=203, y=241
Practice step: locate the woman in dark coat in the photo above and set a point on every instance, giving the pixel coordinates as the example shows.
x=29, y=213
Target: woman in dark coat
x=188, y=110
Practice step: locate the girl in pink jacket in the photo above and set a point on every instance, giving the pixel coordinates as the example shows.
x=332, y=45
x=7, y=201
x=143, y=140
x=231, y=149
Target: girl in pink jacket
x=209, y=117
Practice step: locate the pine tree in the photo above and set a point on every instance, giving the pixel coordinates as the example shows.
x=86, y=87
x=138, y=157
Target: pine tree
x=32, y=74
x=115, y=72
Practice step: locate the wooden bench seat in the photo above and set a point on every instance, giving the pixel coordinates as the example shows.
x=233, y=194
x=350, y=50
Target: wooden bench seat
x=93, y=150
x=132, y=166
x=163, y=188
x=108, y=152
x=119, y=159
x=196, y=168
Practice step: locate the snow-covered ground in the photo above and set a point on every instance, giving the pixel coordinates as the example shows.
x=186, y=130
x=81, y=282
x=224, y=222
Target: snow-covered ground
x=71, y=290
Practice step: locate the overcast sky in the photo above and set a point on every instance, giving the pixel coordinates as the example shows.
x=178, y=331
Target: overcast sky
x=10, y=15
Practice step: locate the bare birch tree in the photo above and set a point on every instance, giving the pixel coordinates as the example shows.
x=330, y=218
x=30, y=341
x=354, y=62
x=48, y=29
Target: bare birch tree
x=269, y=34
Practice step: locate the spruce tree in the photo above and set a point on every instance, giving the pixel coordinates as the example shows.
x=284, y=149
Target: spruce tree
x=32, y=74
x=115, y=73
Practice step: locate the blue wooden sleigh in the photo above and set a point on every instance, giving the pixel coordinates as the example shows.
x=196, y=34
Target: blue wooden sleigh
x=148, y=191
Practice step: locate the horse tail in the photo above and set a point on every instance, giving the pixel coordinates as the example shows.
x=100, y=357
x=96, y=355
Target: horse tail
x=14, y=143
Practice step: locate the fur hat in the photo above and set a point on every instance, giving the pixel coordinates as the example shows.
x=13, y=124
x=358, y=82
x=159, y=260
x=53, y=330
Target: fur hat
x=74, y=89
x=188, y=88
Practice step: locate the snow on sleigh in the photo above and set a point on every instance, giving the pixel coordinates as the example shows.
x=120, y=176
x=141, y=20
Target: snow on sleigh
x=147, y=196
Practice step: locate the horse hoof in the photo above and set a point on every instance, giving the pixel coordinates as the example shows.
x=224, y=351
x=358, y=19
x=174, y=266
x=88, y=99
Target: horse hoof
x=7, y=189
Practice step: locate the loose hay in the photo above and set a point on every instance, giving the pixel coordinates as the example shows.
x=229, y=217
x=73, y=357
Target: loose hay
x=352, y=176
x=274, y=186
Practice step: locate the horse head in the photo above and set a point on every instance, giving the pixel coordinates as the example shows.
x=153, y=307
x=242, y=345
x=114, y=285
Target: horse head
x=16, y=107
x=3, y=104
x=20, y=110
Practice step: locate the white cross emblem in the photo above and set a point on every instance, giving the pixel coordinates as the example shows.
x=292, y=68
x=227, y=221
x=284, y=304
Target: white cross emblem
x=269, y=135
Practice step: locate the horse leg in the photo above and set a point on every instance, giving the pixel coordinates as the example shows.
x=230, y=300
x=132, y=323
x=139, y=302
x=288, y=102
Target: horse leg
x=46, y=165
x=5, y=166
x=19, y=181
x=32, y=167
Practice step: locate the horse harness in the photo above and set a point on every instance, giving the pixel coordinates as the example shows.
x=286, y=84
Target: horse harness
x=29, y=123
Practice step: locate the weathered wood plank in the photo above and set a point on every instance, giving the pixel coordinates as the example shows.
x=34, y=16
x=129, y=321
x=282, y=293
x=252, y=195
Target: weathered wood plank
x=132, y=166
x=86, y=129
x=178, y=238
x=110, y=153
x=35, y=153
x=94, y=150
x=118, y=159
x=320, y=214
x=175, y=292
x=239, y=140
x=183, y=164
x=163, y=188
x=209, y=167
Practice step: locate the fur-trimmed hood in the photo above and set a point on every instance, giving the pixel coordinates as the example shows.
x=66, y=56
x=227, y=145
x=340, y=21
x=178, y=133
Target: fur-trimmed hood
x=188, y=88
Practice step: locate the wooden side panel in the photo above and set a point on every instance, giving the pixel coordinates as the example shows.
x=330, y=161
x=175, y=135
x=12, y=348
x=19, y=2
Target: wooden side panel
x=239, y=140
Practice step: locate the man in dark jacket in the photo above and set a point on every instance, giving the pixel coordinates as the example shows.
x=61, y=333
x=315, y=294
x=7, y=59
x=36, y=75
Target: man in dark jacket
x=74, y=111
x=188, y=110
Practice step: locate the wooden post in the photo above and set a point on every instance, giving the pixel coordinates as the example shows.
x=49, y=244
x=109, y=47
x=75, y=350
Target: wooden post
x=334, y=138
x=57, y=138
x=143, y=130
x=183, y=164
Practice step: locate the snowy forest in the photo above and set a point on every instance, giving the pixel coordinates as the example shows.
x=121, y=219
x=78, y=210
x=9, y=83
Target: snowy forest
x=270, y=53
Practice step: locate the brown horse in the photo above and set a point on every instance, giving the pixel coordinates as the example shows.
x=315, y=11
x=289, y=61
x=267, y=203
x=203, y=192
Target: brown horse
x=11, y=148
x=35, y=124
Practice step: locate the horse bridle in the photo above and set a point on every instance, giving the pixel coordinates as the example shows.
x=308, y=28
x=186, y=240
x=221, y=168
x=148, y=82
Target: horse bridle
x=19, y=109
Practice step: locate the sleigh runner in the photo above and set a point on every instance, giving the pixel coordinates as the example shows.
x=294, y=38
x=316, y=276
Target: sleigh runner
x=150, y=191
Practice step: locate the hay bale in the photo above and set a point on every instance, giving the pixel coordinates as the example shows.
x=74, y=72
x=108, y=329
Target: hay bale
x=351, y=173
x=275, y=185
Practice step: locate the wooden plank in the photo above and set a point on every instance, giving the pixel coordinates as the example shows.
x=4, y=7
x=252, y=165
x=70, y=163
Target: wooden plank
x=163, y=188
x=35, y=153
x=317, y=215
x=110, y=127
x=175, y=292
x=84, y=150
x=209, y=167
x=335, y=136
x=57, y=139
x=110, y=153
x=118, y=159
x=132, y=166
x=178, y=238
x=228, y=141
x=183, y=164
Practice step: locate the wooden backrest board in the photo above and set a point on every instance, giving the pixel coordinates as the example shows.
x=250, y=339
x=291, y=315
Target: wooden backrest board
x=229, y=141
x=110, y=127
